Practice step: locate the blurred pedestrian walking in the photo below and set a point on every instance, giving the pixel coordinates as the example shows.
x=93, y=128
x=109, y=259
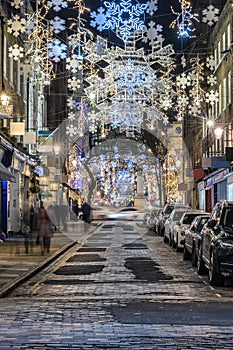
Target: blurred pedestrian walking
x=45, y=230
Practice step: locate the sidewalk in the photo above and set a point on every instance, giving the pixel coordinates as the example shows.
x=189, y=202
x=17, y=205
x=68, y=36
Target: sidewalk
x=17, y=266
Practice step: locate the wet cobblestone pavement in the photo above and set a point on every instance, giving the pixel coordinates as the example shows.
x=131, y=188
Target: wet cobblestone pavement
x=121, y=288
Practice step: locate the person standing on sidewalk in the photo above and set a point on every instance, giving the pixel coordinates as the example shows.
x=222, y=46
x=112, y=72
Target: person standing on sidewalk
x=86, y=209
x=45, y=230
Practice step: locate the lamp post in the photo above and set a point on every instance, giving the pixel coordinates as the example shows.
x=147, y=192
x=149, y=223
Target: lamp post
x=218, y=132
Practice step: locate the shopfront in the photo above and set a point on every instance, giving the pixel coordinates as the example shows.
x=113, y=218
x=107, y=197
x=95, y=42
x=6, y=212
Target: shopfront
x=230, y=187
x=214, y=188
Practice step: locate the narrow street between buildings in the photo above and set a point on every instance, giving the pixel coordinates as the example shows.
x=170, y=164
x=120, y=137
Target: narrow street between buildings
x=120, y=287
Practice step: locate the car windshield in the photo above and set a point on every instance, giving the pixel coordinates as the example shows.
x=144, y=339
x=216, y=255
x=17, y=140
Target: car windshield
x=228, y=217
x=169, y=209
x=202, y=223
x=177, y=215
x=188, y=218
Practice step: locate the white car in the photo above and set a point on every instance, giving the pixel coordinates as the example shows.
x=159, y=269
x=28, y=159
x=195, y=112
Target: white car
x=170, y=223
x=127, y=213
x=182, y=226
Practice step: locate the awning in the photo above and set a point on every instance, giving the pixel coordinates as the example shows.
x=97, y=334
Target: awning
x=5, y=174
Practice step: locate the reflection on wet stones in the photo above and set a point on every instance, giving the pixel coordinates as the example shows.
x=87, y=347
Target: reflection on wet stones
x=78, y=270
x=145, y=268
x=67, y=282
x=91, y=249
x=135, y=245
x=86, y=258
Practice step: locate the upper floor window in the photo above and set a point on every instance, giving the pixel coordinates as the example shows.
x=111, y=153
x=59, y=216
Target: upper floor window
x=229, y=87
x=18, y=77
x=224, y=42
x=229, y=36
x=219, y=52
x=220, y=99
x=11, y=71
x=224, y=93
x=5, y=57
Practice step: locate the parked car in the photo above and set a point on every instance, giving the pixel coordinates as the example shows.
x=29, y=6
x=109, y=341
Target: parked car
x=192, y=238
x=164, y=214
x=151, y=217
x=181, y=227
x=215, y=254
x=127, y=213
x=170, y=223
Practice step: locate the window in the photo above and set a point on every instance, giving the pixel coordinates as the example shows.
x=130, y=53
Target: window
x=5, y=57
x=220, y=99
x=229, y=87
x=224, y=42
x=215, y=58
x=11, y=71
x=18, y=77
x=219, y=52
x=224, y=93
x=229, y=36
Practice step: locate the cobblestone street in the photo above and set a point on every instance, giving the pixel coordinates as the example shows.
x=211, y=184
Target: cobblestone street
x=121, y=287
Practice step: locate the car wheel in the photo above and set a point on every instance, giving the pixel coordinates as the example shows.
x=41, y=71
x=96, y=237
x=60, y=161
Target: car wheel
x=170, y=239
x=215, y=278
x=186, y=254
x=165, y=239
x=201, y=268
x=194, y=257
x=173, y=242
x=178, y=249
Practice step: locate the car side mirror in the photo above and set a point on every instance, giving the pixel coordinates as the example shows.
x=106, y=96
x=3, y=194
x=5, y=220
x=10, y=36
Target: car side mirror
x=211, y=223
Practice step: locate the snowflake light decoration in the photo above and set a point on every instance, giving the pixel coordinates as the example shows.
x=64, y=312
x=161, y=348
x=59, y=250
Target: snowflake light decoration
x=212, y=97
x=99, y=18
x=15, y=52
x=151, y=34
x=182, y=100
x=210, y=62
x=124, y=17
x=57, y=5
x=73, y=64
x=74, y=83
x=183, y=81
x=16, y=26
x=184, y=19
x=210, y=15
x=211, y=80
x=71, y=130
x=71, y=116
x=152, y=7
x=131, y=76
x=194, y=110
x=17, y=3
x=57, y=50
x=57, y=24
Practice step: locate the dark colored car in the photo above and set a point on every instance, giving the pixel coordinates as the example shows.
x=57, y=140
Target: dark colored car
x=192, y=238
x=215, y=253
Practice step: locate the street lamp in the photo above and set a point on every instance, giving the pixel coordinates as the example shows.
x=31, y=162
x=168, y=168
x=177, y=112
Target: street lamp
x=218, y=131
x=5, y=99
x=56, y=149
